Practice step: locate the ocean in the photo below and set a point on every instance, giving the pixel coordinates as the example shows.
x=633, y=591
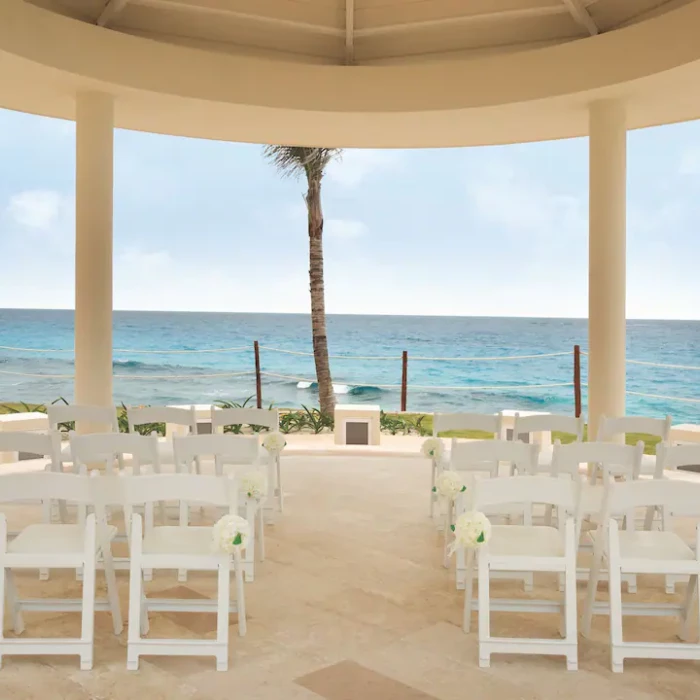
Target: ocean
x=434, y=385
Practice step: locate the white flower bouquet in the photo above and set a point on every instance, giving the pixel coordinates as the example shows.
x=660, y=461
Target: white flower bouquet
x=433, y=448
x=274, y=442
x=254, y=484
x=448, y=485
x=472, y=530
x=230, y=534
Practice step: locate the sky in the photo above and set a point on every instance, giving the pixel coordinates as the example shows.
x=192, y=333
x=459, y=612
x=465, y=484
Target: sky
x=491, y=231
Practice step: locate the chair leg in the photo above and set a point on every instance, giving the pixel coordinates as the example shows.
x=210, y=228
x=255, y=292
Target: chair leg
x=528, y=582
x=615, y=586
x=280, y=492
x=433, y=478
x=447, y=533
x=261, y=534
x=570, y=614
x=688, y=603
x=222, y=613
x=240, y=595
x=593, y=580
x=468, y=592
x=136, y=602
x=484, y=608
x=184, y=520
x=87, y=631
x=13, y=602
x=113, y=593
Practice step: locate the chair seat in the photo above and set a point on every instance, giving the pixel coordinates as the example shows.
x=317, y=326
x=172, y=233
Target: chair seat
x=171, y=539
x=525, y=541
x=51, y=539
x=655, y=545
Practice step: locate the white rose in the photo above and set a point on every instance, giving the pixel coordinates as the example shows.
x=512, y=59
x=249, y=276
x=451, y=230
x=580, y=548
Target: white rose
x=274, y=442
x=472, y=530
x=254, y=483
x=433, y=448
x=230, y=533
x=449, y=484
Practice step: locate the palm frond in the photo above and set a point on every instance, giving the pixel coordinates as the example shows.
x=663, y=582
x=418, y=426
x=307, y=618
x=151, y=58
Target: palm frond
x=299, y=160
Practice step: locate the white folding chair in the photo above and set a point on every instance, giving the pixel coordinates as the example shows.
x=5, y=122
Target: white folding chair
x=175, y=547
x=526, y=548
x=96, y=417
x=242, y=452
x=483, y=458
x=184, y=420
x=618, y=461
x=447, y=422
x=527, y=426
x=611, y=428
x=56, y=546
x=670, y=458
x=645, y=552
x=107, y=449
x=262, y=417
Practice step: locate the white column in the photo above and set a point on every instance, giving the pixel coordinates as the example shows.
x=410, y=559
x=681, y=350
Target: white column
x=93, y=248
x=607, y=261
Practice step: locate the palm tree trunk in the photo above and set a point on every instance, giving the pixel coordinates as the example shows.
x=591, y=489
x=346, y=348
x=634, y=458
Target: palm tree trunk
x=318, y=301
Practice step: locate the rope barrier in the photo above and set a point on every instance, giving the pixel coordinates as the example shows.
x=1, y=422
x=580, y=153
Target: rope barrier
x=301, y=354
x=490, y=359
x=660, y=396
x=137, y=352
x=132, y=376
x=659, y=364
x=332, y=357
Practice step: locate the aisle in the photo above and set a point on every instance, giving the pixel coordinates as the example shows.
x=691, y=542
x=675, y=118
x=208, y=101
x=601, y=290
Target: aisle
x=351, y=604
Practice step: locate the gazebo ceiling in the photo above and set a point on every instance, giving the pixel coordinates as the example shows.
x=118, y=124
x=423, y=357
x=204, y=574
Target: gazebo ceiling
x=355, y=73
x=361, y=31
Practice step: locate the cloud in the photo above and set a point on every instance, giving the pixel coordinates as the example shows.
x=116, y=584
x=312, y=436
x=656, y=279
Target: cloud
x=38, y=210
x=344, y=228
x=518, y=202
x=355, y=165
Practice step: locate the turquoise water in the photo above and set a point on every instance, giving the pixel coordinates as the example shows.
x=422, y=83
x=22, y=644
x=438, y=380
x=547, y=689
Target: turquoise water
x=675, y=342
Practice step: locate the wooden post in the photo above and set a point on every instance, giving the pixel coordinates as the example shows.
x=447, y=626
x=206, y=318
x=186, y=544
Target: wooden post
x=577, y=380
x=404, y=379
x=258, y=379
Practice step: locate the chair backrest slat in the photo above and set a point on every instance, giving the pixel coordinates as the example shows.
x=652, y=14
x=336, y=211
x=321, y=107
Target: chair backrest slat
x=682, y=498
x=615, y=459
x=162, y=414
x=106, y=447
x=486, y=422
x=540, y=489
x=45, y=444
x=218, y=491
x=674, y=456
x=45, y=485
x=609, y=427
x=548, y=422
x=221, y=417
x=485, y=455
x=226, y=448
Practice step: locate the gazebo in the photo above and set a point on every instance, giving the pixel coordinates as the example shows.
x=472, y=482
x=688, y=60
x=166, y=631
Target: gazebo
x=354, y=73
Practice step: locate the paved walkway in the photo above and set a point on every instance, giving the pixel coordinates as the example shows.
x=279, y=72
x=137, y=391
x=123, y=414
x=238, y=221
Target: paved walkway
x=351, y=604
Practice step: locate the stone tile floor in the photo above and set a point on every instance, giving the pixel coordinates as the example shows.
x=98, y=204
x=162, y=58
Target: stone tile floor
x=351, y=603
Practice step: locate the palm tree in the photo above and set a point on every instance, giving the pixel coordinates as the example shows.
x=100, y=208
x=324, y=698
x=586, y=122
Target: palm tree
x=311, y=162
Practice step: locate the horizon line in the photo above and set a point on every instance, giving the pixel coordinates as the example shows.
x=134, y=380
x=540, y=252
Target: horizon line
x=378, y=315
